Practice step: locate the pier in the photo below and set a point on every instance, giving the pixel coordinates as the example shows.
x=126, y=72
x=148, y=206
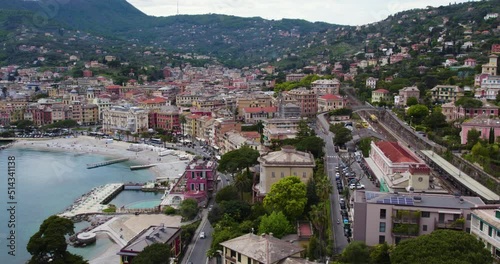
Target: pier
x=141, y=167
x=94, y=201
x=105, y=163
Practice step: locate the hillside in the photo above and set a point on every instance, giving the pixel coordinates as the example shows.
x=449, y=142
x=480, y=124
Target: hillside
x=236, y=41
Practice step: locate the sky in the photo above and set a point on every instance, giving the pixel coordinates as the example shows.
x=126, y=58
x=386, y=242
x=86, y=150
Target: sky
x=343, y=12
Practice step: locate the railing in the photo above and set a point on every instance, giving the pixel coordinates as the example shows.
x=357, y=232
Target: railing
x=405, y=229
x=450, y=224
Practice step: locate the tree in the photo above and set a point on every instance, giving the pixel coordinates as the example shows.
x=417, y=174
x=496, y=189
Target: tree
x=236, y=209
x=287, y=195
x=275, y=223
x=188, y=209
x=311, y=194
x=303, y=130
x=411, y=101
x=48, y=245
x=227, y=193
x=380, y=254
x=236, y=160
x=365, y=146
x=242, y=182
x=473, y=137
x=312, y=144
x=356, y=252
x=417, y=113
x=468, y=102
x=157, y=253
x=436, y=119
x=342, y=136
x=442, y=246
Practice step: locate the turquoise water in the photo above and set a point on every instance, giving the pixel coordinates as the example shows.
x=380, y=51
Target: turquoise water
x=47, y=183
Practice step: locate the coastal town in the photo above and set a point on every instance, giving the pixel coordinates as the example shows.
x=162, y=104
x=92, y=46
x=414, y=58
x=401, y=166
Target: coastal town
x=344, y=159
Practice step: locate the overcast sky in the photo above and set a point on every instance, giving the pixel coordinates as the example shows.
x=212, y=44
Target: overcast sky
x=344, y=12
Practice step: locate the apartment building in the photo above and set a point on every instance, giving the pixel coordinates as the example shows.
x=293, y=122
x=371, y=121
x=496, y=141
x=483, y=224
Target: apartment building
x=381, y=95
x=306, y=99
x=125, y=118
x=406, y=93
x=391, y=217
x=322, y=87
x=446, y=93
x=485, y=225
x=330, y=102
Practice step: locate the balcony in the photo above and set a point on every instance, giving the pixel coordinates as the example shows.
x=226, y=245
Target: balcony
x=406, y=217
x=409, y=230
x=457, y=224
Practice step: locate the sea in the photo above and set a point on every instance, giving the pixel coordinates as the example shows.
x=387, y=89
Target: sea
x=46, y=183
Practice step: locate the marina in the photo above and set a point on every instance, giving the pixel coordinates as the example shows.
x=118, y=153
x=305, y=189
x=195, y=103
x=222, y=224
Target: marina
x=106, y=163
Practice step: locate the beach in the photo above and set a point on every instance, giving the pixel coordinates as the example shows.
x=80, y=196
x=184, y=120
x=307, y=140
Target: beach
x=166, y=167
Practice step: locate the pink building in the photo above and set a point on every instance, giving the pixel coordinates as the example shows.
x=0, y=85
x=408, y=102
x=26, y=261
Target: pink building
x=487, y=110
x=484, y=125
x=470, y=63
x=392, y=157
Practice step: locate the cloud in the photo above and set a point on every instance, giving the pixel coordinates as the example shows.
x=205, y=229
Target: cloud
x=345, y=12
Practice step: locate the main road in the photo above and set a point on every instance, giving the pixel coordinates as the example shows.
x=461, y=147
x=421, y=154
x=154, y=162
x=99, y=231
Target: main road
x=332, y=160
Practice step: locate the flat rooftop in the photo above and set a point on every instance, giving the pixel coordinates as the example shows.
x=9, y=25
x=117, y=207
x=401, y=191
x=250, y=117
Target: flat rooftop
x=462, y=177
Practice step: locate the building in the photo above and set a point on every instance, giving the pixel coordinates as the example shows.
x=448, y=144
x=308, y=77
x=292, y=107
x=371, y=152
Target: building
x=125, y=118
x=264, y=249
x=381, y=95
x=390, y=217
x=322, y=87
x=260, y=100
x=280, y=164
x=487, y=127
x=406, y=93
x=490, y=86
x=280, y=128
x=153, y=104
x=371, y=82
x=152, y=235
x=295, y=77
x=306, y=99
x=166, y=118
x=397, y=168
x=446, y=93
x=255, y=114
x=330, y=102
x=236, y=140
x=485, y=225
x=486, y=110
x=449, y=111
x=491, y=67
x=471, y=63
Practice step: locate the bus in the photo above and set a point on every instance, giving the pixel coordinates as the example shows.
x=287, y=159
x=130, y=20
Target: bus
x=373, y=118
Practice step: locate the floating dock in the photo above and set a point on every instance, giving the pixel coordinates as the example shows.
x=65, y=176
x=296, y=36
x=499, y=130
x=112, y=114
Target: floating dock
x=141, y=167
x=105, y=163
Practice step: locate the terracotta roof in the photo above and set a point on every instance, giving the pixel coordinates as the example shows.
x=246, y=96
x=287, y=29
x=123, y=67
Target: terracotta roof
x=395, y=152
x=331, y=97
x=155, y=100
x=268, y=109
x=113, y=87
x=250, y=134
x=381, y=91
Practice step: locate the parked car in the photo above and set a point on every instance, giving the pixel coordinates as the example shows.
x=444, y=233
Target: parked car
x=202, y=235
x=358, y=186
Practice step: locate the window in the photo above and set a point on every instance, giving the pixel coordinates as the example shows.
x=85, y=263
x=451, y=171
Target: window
x=272, y=174
x=490, y=231
x=481, y=225
x=249, y=261
x=381, y=227
x=233, y=253
x=424, y=228
x=282, y=174
x=468, y=217
x=382, y=213
x=239, y=257
x=381, y=239
x=192, y=175
x=192, y=186
x=426, y=214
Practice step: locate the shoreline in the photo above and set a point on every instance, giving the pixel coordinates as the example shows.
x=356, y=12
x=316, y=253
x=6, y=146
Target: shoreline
x=83, y=145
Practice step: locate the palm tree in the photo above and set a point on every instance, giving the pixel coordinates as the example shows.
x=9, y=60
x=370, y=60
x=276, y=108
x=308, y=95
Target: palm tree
x=242, y=182
x=323, y=188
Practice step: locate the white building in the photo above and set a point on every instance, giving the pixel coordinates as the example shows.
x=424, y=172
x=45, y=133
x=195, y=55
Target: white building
x=125, y=118
x=322, y=87
x=371, y=82
x=485, y=225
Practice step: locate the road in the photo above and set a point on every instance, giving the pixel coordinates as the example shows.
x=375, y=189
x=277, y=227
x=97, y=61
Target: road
x=332, y=160
x=200, y=246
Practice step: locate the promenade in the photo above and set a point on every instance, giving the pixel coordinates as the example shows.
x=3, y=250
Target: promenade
x=91, y=202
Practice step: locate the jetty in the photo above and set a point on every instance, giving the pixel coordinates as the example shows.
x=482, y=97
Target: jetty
x=94, y=201
x=141, y=167
x=105, y=163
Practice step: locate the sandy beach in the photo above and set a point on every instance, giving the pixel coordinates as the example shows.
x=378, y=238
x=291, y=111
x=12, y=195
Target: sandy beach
x=169, y=166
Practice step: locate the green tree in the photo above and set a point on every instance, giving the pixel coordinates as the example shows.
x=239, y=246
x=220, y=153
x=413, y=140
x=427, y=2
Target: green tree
x=275, y=223
x=48, y=245
x=342, y=136
x=365, y=146
x=311, y=194
x=468, y=102
x=411, y=101
x=380, y=254
x=442, y=246
x=312, y=144
x=356, y=252
x=188, y=209
x=491, y=139
x=157, y=253
x=287, y=195
x=227, y=193
x=243, y=183
x=236, y=160
x=417, y=113
x=473, y=137
x=303, y=130
x=236, y=209
x=436, y=119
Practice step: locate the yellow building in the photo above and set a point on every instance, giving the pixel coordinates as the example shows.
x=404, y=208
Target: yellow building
x=381, y=95
x=280, y=164
x=263, y=249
